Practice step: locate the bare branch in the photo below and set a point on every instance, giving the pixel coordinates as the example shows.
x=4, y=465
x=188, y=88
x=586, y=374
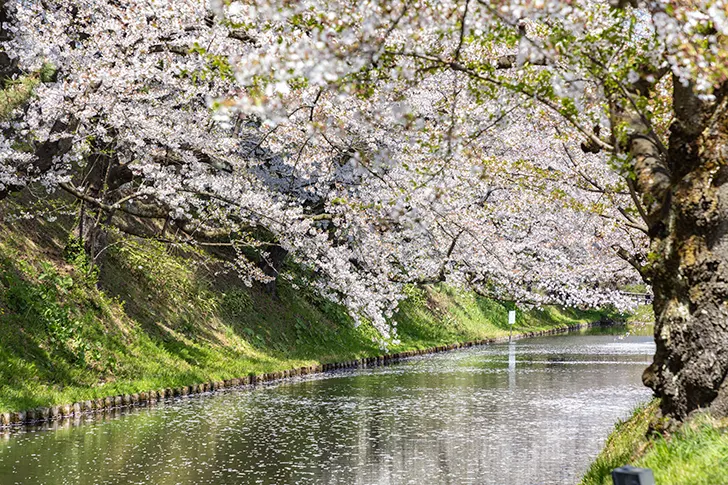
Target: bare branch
x=462, y=31
x=632, y=260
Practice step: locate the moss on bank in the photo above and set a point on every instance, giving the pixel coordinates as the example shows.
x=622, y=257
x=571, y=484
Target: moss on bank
x=159, y=317
x=696, y=454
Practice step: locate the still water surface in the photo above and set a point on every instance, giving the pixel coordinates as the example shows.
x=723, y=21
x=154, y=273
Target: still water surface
x=531, y=412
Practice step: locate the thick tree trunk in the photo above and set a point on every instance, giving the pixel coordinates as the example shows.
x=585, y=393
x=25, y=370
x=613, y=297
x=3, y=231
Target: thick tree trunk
x=689, y=255
x=272, y=265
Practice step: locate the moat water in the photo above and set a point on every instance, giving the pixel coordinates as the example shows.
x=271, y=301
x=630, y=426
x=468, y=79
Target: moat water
x=533, y=412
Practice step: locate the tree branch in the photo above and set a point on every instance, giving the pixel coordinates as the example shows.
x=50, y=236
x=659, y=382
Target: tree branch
x=462, y=31
x=632, y=260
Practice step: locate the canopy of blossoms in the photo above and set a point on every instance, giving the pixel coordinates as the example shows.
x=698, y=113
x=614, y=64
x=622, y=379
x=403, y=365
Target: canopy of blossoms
x=377, y=143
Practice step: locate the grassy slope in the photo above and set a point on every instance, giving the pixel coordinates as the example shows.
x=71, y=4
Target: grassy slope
x=158, y=318
x=696, y=454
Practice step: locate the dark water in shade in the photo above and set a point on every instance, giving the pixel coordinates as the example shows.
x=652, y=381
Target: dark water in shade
x=532, y=412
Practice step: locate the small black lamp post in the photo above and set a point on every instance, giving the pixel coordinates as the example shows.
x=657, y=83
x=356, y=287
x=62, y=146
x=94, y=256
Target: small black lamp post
x=629, y=475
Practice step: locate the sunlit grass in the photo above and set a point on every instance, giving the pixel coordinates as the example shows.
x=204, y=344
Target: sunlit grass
x=696, y=454
x=157, y=319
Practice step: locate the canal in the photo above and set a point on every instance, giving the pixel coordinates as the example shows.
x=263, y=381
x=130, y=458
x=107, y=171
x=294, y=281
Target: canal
x=533, y=412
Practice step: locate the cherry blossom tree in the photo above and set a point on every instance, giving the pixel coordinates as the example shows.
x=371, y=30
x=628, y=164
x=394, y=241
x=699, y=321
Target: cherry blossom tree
x=141, y=121
x=126, y=123
x=528, y=150
x=640, y=84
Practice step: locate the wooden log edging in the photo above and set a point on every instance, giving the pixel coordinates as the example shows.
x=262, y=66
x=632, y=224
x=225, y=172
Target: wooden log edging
x=114, y=404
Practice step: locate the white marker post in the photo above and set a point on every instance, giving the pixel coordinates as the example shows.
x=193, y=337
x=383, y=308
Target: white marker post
x=511, y=322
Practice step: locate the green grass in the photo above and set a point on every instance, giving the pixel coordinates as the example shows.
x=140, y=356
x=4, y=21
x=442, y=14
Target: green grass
x=696, y=454
x=16, y=93
x=644, y=315
x=157, y=317
x=441, y=315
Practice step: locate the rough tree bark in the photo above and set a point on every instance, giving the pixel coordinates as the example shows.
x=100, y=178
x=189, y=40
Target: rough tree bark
x=685, y=191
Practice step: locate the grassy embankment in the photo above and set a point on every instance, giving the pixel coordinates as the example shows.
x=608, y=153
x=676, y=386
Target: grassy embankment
x=157, y=317
x=696, y=454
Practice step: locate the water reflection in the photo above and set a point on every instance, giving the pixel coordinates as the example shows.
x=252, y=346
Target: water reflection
x=530, y=412
x=511, y=365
